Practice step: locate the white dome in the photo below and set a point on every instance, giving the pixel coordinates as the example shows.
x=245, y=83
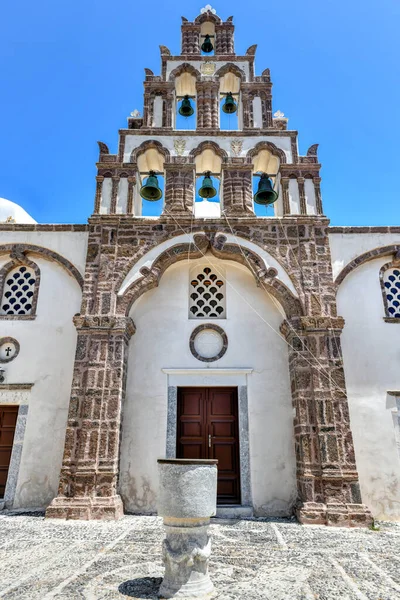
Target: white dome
x=14, y=213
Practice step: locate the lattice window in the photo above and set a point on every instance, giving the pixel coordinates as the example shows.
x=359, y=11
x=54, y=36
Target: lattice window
x=18, y=291
x=207, y=296
x=391, y=290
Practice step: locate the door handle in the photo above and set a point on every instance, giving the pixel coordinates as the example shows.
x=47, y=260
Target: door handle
x=209, y=441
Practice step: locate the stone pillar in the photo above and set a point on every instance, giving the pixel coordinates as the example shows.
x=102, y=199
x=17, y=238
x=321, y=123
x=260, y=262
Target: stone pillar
x=190, y=38
x=237, y=188
x=266, y=104
x=88, y=480
x=285, y=195
x=131, y=188
x=207, y=104
x=187, y=500
x=114, y=194
x=302, y=195
x=224, y=43
x=99, y=187
x=318, y=199
x=327, y=477
x=179, y=187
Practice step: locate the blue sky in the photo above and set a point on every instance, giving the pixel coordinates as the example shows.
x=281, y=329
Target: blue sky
x=71, y=72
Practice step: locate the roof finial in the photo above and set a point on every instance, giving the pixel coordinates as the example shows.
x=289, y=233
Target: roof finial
x=208, y=8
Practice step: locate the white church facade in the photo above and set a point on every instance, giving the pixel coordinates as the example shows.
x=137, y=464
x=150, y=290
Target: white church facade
x=271, y=343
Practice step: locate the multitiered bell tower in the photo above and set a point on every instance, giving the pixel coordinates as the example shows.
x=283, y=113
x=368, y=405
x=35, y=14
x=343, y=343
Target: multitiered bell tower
x=162, y=150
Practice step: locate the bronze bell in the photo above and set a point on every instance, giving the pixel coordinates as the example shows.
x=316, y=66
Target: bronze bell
x=207, y=190
x=150, y=190
x=229, y=106
x=207, y=45
x=186, y=109
x=265, y=194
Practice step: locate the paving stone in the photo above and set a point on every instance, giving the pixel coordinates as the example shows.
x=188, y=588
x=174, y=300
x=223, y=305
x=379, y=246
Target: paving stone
x=252, y=559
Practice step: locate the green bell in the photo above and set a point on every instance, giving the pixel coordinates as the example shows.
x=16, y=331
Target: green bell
x=186, y=109
x=207, y=190
x=150, y=190
x=265, y=194
x=229, y=106
x=207, y=45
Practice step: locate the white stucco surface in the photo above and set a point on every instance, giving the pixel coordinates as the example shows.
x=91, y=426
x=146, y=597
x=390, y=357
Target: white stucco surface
x=72, y=245
x=46, y=358
x=371, y=352
x=162, y=342
x=347, y=246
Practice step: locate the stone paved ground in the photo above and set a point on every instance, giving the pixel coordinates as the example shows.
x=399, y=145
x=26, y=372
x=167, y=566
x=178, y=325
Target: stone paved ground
x=252, y=560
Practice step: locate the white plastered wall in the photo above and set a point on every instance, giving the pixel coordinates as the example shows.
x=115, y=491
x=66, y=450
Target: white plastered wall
x=46, y=359
x=371, y=353
x=162, y=341
x=192, y=141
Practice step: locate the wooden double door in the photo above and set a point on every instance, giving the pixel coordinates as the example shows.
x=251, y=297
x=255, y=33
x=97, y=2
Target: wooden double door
x=8, y=421
x=208, y=428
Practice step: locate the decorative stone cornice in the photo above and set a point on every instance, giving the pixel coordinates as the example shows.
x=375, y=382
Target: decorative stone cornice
x=104, y=323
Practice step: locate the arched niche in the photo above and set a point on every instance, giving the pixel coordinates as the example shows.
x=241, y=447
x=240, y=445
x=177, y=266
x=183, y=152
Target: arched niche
x=229, y=82
x=185, y=85
x=264, y=161
x=208, y=160
x=150, y=159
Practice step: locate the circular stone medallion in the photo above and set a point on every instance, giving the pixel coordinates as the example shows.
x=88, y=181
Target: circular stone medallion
x=208, y=342
x=9, y=348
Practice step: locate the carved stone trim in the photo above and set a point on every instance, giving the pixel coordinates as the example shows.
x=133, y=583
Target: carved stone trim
x=203, y=327
x=271, y=148
x=24, y=249
x=10, y=340
x=18, y=258
x=148, y=145
x=363, y=258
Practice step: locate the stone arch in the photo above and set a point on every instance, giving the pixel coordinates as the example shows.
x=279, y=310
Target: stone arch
x=148, y=145
x=19, y=252
x=270, y=147
x=208, y=145
x=184, y=68
x=150, y=277
x=19, y=259
x=207, y=16
x=365, y=257
x=230, y=68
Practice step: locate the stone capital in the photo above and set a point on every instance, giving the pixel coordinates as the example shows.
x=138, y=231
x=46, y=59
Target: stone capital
x=104, y=324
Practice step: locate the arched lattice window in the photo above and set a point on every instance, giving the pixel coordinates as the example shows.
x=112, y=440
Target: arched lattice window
x=390, y=279
x=207, y=295
x=19, y=291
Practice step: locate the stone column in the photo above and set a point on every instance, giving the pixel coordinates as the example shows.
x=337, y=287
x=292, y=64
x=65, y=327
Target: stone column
x=131, y=188
x=207, y=104
x=285, y=195
x=327, y=477
x=302, y=195
x=99, y=187
x=88, y=480
x=114, y=194
x=266, y=104
x=190, y=39
x=237, y=188
x=224, y=39
x=179, y=187
x=318, y=199
x=187, y=500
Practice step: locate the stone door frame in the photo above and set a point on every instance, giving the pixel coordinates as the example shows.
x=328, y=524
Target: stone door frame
x=16, y=394
x=206, y=377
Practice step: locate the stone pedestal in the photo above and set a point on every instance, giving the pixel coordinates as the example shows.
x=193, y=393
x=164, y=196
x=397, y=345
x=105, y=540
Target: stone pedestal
x=187, y=500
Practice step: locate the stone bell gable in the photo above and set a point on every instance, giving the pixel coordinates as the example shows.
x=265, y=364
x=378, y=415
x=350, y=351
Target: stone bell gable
x=128, y=255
